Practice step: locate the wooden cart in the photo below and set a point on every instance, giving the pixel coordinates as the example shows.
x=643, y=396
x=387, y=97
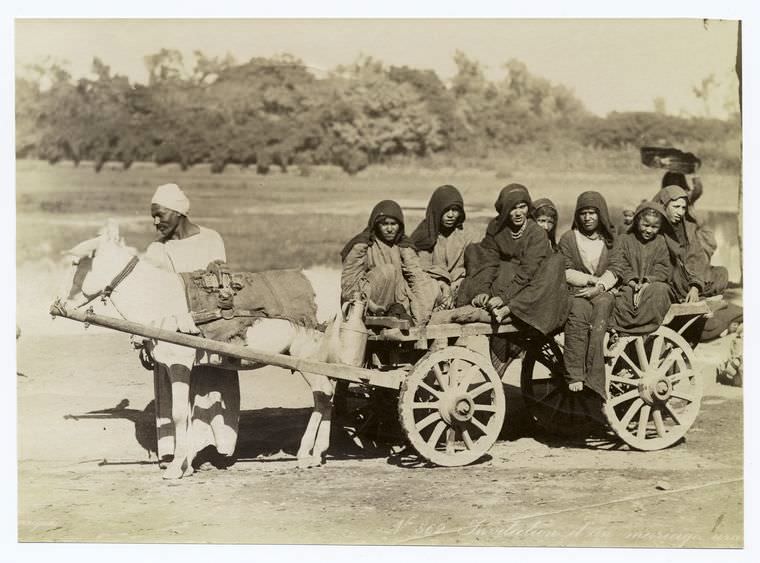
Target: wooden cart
x=436, y=386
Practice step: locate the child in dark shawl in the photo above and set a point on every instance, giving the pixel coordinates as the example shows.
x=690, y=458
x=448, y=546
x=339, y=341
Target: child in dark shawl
x=441, y=240
x=512, y=272
x=546, y=216
x=381, y=264
x=642, y=263
x=587, y=249
x=686, y=283
x=699, y=235
x=690, y=256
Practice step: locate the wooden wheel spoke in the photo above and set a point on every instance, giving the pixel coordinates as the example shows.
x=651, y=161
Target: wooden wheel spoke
x=624, y=380
x=435, y=393
x=464, y=383
x=440, y=377
x=658, y=422
x=485, y=408
x=654, y=356
x=680, y=376
x=673, y=414
x=628, y=360
x=480, y=389
x=641, y=353
x=467, y=439
x=557, y=408
x=427, y=421
x=426, y=405
x=450, y=437
x=681, y=395
x=479, y=425
x=643, y=421
x=628, y=395
x=436, y=434
x=673, y=357
x=552, y=391
x=631, y=412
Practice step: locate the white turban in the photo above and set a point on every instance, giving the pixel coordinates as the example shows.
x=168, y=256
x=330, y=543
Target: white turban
x=172, y=197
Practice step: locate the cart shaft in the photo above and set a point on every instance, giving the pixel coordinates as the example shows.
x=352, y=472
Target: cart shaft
x=389, y=379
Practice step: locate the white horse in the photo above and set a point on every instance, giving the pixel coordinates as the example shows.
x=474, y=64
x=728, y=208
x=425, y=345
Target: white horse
x=152, y=296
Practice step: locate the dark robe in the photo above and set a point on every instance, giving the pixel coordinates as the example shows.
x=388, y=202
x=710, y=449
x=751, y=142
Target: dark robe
x=640, y=261
x=523, y=271
x=683, y=255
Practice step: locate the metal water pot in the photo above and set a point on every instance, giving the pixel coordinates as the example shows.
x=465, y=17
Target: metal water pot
x=353, y=333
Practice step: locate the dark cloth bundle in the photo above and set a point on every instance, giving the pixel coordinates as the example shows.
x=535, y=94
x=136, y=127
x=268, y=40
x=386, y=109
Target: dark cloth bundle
x=275, y=294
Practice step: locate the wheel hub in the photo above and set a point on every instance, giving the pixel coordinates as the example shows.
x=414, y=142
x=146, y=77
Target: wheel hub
x=457, y=407
x=655, y=389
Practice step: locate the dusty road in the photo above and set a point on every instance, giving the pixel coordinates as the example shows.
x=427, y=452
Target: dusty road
x=86, y=473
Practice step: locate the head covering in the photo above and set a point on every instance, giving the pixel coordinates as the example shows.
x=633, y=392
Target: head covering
x=508, y=198
x=545, y=206
x=674, y=179
x=444, y=198
x=172, y=197
x=668, y=194
x=595, y=200
x=648, y=205
x=386, y=208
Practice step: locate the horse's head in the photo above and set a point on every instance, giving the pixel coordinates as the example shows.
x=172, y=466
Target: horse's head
x=92, y=265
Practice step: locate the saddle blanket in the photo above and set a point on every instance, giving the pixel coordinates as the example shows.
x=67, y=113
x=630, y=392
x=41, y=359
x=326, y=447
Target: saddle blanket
x=274, y=294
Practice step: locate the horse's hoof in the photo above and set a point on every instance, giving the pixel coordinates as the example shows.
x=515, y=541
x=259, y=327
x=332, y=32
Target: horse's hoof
x=176, y=471
x=172, y=472
x=309, y=462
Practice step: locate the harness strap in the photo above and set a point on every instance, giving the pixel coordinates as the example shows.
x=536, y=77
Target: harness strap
x=120, y=276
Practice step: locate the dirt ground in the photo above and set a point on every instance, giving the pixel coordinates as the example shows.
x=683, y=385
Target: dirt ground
x=87, y=472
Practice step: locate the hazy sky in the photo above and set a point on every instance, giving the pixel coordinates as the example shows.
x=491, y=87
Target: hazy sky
x=610, y=64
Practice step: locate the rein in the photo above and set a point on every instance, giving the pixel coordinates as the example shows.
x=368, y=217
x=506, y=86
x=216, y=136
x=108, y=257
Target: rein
x=106, y=292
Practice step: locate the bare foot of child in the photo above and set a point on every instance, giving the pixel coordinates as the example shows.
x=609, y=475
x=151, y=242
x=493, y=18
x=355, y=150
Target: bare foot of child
x=575, y=386
x=500, y=314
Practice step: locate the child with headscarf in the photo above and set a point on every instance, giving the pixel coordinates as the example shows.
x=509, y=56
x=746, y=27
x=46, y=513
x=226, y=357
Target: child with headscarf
x=686, y=255
x=546, y=216
x=698, y=242
x=587, y=248
x=381, y=264
x=441, y=240
x=692, y=273
x=642, y=263
x=513, y=272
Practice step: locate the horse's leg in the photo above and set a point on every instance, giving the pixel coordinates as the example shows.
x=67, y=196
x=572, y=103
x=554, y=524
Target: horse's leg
x=304, y=455
x=316, y=438
x=181, y=465
x=323, y=404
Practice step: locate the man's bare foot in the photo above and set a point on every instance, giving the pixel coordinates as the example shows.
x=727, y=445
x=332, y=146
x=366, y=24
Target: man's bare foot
x=575, y=386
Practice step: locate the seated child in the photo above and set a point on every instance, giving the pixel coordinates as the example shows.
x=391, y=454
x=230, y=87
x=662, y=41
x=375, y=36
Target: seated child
x=441, y=240
x=381, y=264
x=587, y=249
x=546, y=216
x=642, y=263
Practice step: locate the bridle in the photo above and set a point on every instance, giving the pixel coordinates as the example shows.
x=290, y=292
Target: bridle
x=106, y=292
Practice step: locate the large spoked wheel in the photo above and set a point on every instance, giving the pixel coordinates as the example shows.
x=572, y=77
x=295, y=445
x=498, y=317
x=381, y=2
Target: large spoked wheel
x=552, y=406
x=366, y=417
x=452, y=406
x=653, y=390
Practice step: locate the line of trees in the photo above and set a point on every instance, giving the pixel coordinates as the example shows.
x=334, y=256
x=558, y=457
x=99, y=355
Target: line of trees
x=274, y=112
